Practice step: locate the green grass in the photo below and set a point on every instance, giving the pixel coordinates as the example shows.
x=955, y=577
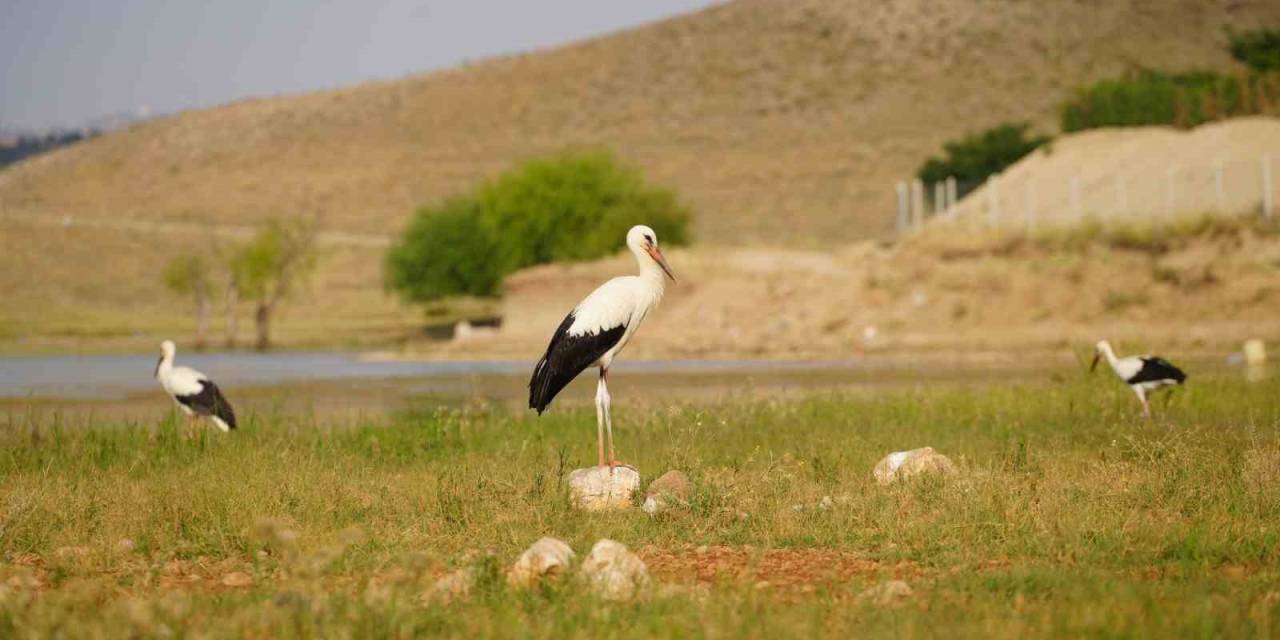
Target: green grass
x=1072, y=517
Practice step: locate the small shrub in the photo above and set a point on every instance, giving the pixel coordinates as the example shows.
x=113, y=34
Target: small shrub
x=1259, y=50
x=973, y=158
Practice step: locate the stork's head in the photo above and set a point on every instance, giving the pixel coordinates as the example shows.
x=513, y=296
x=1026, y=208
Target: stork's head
x=644, y=242
x=166, y=353
x=1098, y=349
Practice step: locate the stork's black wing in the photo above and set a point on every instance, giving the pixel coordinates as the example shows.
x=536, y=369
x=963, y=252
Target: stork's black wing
x=565, y=358
x=209, y=401
x=1157, y=369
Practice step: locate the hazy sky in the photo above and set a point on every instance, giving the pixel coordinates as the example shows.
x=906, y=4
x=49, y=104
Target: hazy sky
x=64, y=62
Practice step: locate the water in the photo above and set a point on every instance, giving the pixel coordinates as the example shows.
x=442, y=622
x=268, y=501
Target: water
x=120, y=376
x=338, y=383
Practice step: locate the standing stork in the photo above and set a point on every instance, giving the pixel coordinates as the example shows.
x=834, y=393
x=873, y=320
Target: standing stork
x=1143, y=374
x=597, y=329
x=193, y=391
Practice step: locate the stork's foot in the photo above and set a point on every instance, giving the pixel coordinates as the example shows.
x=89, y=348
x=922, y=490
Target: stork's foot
x=615, y=463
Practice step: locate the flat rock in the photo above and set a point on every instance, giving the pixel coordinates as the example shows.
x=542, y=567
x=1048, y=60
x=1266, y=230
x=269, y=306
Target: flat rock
x=613, y=572
x=452, y=586
x=671, y=489
x=545, y=558
x=905, y=464
x=887, y=593
x=603, y=488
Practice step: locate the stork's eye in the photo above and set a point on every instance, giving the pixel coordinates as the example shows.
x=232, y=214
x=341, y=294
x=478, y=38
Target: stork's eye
x=650, y=239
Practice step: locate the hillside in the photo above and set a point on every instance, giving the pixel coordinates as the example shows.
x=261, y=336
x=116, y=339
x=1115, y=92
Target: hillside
x=780, y=121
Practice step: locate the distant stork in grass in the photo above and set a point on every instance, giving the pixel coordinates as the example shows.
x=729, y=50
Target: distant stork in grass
x=1143, y=374
x=597, y=329
x=194, y=392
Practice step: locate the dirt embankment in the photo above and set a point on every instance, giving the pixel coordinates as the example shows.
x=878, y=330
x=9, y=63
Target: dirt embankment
x=1205, y=289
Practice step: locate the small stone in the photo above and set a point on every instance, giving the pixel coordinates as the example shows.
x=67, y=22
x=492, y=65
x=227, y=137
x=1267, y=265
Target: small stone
x=67, y=553
x=888, y=593
x=450, y=587
x=603, y=488
x=545, y=558
x=237, y=579
x=125, y=545
x=613, y=572
x=672, y=489
x=826, y=503
x=906, y=464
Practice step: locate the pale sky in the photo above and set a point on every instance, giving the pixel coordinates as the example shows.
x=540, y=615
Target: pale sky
x=65, y=62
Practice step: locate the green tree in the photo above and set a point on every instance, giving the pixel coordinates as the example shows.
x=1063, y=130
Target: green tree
x=188, y=275
x=575, y=205
x=448, y=251
x=273, y=265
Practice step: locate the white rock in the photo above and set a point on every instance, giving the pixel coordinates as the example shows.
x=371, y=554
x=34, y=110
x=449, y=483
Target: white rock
x=1255, y=352
x=613, y=572
x=545, y=558
x=905, y=464
x=887, y=594
x=603, y=488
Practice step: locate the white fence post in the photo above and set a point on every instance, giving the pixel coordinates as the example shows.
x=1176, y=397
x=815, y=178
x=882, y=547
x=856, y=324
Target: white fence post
x=1075, y=198
x=993, y=200
x=939, y=198
x=1268, y=194
x=1031, y=205
x=917, y=203
x=1219, y=194
x=951, y=196
x=904, y=207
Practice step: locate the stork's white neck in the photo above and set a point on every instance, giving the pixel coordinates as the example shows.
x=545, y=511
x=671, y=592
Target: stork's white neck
x=1108, y=354
x=165, y=365
x=650, y=272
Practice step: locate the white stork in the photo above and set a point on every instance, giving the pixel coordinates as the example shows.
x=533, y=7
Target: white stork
x=1143, y=374
x=193, y=391
x=597, y=329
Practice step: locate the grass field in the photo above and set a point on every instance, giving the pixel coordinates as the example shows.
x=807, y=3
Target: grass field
x=1071, y=517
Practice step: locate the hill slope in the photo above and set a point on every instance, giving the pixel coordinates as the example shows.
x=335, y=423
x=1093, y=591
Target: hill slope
x=782, y=121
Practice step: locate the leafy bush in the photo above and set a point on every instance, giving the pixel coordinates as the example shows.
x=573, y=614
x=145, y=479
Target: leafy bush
x=568, y=207
x=1259, y=50
x=974, y=157
x=447, y=251
x=1179, y=99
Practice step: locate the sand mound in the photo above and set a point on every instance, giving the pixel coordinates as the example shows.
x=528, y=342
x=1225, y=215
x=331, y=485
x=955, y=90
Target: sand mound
x=1134, y=173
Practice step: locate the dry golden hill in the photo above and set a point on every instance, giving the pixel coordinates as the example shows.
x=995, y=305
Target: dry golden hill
x=780, y=121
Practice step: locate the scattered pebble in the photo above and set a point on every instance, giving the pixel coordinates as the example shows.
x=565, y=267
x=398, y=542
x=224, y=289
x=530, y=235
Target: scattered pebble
x=613, y=572
x=546, y=558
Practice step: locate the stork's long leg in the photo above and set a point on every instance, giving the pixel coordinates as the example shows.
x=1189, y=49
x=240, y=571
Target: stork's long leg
x=600, y=419
x=1142, y=397
x=608, y=417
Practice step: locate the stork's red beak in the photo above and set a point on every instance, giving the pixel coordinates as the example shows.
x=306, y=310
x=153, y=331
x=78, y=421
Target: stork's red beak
x=1095, y=363
x=656, y=253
